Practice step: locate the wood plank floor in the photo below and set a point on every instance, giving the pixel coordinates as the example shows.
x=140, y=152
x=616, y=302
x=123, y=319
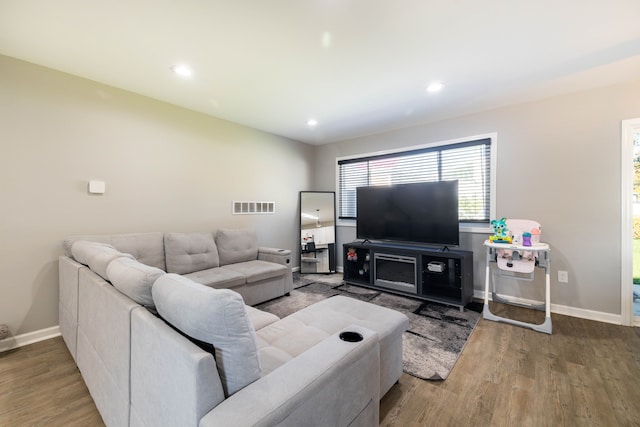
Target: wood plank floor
x=40, y=385
x=585, y=374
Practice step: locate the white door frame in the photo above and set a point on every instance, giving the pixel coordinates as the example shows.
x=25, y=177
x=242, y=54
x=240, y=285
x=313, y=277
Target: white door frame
x=628, y=128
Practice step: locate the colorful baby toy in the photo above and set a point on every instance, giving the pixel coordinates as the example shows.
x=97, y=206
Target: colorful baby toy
x=500, y=231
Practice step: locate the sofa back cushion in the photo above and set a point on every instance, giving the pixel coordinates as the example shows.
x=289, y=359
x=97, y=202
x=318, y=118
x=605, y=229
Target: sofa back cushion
x=148, y=248
x=214, y=316
x=96, y=255
x=134, y=279
x=236, y=245
x=189, y=252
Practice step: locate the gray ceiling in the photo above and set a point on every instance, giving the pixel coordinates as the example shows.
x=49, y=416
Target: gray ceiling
x=358, y=67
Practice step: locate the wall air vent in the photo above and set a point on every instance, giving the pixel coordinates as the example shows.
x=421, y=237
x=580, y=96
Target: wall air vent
x=253, y=208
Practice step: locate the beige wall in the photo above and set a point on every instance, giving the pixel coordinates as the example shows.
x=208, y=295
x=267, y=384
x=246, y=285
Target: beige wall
x=165, y=168
x=558, y=163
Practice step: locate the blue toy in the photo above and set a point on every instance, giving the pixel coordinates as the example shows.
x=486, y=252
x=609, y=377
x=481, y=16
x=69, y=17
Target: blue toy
x=500, y=230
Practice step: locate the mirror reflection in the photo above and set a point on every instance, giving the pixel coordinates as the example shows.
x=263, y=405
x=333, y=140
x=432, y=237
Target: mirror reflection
x=317, y=232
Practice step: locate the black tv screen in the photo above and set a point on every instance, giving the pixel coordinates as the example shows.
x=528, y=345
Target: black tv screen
x=425, y=212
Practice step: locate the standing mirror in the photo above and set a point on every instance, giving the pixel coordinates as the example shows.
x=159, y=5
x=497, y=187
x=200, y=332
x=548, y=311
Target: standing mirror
x=317, y=232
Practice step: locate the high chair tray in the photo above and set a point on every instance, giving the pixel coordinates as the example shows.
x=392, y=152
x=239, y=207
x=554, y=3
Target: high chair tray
x=511, y=246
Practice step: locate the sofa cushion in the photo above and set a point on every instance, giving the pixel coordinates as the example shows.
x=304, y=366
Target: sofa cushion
x=281, y=341
x=217, y=317
x=148, y=248
x=189, y=252
x=256, y=270
x=236, y=245
x=260, y=319
x=134, y=279
x=96, y=255
x=218, y=278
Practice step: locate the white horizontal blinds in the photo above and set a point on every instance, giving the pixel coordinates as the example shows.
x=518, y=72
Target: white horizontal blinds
x=352, y=176
x=468, y=162
x=404, y=170
x=470, y=166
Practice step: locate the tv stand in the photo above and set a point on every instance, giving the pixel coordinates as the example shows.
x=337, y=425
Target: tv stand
x=433, y=274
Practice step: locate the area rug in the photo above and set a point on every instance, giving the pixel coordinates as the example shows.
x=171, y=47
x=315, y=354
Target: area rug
x=436, y=336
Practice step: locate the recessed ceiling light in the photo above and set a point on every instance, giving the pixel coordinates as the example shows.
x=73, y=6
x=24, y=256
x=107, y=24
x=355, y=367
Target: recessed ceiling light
x=181, y=70
x=326, y=39
x=435, y=87
x=312, y=122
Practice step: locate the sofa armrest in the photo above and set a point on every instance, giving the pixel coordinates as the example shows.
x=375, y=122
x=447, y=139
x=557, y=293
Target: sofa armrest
x=173, y=381
x=279, y=256
x=333, y=383
x=68, y=279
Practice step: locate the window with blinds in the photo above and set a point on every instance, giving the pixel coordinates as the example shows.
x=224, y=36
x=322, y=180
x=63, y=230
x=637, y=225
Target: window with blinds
x=468, y=162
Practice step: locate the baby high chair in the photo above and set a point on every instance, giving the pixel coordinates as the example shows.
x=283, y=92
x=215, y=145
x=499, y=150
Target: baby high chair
x=517, y=258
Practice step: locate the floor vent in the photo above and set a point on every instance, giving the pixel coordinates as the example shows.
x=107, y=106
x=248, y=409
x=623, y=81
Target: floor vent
x=253, y=208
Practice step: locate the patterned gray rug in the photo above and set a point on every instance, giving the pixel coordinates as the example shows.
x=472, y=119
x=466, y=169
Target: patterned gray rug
x=436, y=336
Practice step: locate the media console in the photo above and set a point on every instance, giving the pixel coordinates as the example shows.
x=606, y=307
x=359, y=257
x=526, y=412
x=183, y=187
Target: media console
x=428, y=273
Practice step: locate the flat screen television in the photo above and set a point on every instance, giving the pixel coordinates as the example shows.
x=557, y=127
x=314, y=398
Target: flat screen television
x=425, y=212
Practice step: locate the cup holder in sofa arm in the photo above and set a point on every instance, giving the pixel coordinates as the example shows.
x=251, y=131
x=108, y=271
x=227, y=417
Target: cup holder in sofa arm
x=284, y=251
x=280, y=254
x=350, y=336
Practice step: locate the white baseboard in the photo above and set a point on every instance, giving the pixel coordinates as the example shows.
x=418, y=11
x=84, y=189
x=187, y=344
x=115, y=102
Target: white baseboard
x=581, y=313
x=29, y=338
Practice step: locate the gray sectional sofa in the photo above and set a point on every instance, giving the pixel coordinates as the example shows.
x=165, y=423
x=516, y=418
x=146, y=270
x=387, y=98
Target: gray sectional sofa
x=162, y=329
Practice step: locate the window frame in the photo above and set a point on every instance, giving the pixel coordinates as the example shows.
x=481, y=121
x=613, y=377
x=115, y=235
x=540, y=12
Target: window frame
x=472, y=227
